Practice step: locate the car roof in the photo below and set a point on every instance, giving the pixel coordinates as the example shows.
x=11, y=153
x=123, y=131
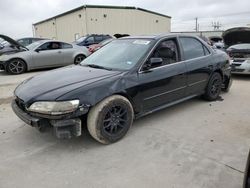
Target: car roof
x=157, y=37
x=52, y=41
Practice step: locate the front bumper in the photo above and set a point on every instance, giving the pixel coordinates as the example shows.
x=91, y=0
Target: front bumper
x=63, y=128
x=240, y=66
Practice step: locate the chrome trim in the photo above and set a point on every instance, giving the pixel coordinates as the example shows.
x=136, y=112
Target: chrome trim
x=139, y=70
x=186, y=61
x=201, y=81
x=165, y=93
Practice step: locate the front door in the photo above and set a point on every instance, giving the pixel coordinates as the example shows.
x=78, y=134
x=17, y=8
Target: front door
x=166, y=82
x=47, y=55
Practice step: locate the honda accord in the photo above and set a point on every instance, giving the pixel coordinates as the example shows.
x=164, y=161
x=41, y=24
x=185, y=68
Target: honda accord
x=125, y=80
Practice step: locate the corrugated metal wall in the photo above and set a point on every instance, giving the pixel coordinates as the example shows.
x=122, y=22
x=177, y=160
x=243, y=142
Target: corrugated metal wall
x=70, y=25
x=125, y=21
x=102, y=21
x=46, y=29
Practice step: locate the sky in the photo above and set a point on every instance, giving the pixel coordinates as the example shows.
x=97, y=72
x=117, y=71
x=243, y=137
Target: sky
x=17, y=16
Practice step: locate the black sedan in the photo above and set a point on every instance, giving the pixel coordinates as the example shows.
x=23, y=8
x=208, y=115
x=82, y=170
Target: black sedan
x=127, y=79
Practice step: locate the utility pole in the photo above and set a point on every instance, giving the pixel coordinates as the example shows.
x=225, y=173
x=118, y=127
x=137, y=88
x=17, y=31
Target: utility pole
x=196, y=24
x=216, y=25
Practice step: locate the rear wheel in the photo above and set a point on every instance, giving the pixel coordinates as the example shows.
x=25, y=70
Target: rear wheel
x=227, y=84
x=16, y=66
x=110, y=119
x=79, y=59
x=214, y=87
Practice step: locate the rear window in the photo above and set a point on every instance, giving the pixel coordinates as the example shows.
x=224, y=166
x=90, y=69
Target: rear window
x=66, y=45
x=193, y=48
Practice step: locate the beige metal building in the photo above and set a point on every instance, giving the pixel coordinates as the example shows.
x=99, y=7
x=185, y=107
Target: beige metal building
x=94, y=19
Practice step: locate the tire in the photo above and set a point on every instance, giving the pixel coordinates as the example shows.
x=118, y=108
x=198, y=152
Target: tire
x=110, y=119
x=78, y=59
x=214, y=86
x=227, y=84
x=16, y=66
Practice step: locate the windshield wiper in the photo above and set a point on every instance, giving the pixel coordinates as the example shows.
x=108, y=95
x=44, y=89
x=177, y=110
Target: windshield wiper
x=97, y=66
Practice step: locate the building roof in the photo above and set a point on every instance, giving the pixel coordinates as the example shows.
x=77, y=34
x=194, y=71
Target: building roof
x=102, y=6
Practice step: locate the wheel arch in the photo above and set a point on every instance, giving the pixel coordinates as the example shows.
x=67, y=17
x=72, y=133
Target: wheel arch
x=127, y=97
x=77, y=54
x=220, y=72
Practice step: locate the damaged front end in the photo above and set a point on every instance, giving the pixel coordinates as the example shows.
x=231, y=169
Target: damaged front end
x=65, y=126
x=238, y=42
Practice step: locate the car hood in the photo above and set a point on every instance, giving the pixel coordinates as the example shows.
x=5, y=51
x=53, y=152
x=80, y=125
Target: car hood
x=237, y=35
x=53, y=84
x=12, y=41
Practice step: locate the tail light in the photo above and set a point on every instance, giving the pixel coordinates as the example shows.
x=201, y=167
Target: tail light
x=91, y=50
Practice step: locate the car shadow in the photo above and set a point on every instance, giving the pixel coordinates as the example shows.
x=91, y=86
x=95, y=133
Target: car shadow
x=244, y=77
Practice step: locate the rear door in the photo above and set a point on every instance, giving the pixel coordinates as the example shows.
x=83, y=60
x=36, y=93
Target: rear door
x=48, y=55
x=197, y=58
x=165, y=83
x=67, y=53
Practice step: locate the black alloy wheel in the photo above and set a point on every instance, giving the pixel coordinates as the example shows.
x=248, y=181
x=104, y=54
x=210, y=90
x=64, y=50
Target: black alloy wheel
x=115, y=120
x=214, y=87
x=109, y=120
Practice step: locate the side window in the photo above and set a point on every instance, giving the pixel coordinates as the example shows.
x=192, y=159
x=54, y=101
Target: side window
x=66, y=45
x=34, y=40
x=90, y=40
x=50, y=46
x=192, y=48
x=24, y=42
x=168, y=51
x=98, y=38
x=206, y=50
x=106, y=37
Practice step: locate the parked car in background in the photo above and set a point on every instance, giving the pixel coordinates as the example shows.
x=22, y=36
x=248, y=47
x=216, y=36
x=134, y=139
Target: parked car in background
x=91, y=39
x=126, y=79
x=238, y=42
x=240, y=55
x=41, y=54
x=215, y=39
x=6, y=47
x=95, y=47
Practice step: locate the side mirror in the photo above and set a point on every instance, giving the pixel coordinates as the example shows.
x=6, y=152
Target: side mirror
x=153, y=62
x=37, y=50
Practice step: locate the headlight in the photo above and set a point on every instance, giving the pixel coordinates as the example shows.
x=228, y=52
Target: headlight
x=54, y=108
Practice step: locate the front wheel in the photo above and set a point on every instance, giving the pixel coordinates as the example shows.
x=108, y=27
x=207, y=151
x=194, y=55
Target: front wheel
x=214, y=87
x=110, y=119
x=16, y=66
x=79, y=59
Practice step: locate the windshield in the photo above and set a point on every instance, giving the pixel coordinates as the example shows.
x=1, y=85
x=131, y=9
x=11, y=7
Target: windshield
x=35, y=44
x=119, y=54
x=240, y=46
x=80, y=40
